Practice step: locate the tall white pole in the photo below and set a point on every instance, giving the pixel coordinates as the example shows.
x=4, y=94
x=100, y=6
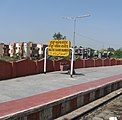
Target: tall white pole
x=45, y=58
x=72, y=59
x=74, y=20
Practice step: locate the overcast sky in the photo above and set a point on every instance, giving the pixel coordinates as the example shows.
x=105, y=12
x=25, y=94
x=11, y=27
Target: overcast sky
x=38, y=20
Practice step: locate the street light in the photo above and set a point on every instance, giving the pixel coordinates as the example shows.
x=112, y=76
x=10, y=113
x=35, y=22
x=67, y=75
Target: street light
x=74, y=33
x=75, y=19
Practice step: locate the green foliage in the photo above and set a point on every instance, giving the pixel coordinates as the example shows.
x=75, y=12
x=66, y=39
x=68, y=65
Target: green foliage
x=16, y=57
x=110, y=49
x=58, y=36
x=118, y=53
x=7, y=58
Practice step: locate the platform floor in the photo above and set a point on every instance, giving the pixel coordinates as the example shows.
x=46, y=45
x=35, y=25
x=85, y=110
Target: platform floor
x=22, y=87
x=26, y=93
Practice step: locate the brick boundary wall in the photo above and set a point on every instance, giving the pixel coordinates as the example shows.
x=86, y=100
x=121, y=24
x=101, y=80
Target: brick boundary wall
x=5, y=70
x=88, y=63
x=113, y=61
x=106, y=62
x=24, y=67
x=62, y=101
x=97, y=62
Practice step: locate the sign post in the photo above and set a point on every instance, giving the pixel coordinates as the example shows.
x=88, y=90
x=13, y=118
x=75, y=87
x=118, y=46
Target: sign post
x=71, y=72
x=45, y=58
x=59, y=48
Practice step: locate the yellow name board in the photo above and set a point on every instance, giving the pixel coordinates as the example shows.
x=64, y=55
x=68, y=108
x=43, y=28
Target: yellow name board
x=59, y=48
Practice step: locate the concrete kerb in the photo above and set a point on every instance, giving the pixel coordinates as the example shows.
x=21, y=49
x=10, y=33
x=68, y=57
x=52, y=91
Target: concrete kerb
x=86, y=109
x=39, y=107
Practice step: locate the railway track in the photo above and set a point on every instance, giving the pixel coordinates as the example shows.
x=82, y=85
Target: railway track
x=106, y=108
x=111, y=110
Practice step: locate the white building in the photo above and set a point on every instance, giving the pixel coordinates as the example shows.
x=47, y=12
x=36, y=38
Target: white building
x=18, y=47
x=11, y=49
x=40, y=50
x=25, y=50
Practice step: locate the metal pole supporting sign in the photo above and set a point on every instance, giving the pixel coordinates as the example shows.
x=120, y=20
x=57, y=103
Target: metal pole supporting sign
x=72, y=59
x=45, y=57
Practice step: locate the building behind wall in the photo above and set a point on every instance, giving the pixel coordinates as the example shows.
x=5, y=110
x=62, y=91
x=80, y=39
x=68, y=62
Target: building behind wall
x=12, y=48
x=32, y=50
x=41, y=48
x=28, y=50
x=1, y=49
x=19, y=49
x=36, y=51
x=25, y=50
x=4, y=50
x=16, y=49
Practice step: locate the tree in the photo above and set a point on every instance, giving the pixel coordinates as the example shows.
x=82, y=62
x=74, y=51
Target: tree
x=110, y=49
x=58, y=36
x=118, y=53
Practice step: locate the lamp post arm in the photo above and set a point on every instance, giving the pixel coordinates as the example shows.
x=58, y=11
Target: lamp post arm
x=74, y=32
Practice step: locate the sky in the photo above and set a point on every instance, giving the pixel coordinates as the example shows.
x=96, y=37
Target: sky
x=38, y=20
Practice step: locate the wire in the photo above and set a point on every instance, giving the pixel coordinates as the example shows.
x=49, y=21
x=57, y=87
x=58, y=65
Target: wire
x=89, y=38
x=96, y=40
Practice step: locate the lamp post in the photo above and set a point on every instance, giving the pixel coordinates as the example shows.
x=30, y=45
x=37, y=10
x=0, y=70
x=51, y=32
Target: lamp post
x=74, y=30
x=74, y=20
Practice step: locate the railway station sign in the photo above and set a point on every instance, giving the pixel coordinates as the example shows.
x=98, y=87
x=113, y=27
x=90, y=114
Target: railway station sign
x=59, y=48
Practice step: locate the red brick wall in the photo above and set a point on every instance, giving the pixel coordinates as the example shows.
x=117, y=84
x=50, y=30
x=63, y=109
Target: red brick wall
x=106, y=62
x=32, y=68
x=40, y=66
x=121, y=61
x=89, y=63
x=24, y=68
x=118, y=62
x=29, y=67
x=5, y=70
x=98, y=62
x=78, y=63
x=49, y=66
x=14, y=69
x=56, y=64
x=113, y=62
